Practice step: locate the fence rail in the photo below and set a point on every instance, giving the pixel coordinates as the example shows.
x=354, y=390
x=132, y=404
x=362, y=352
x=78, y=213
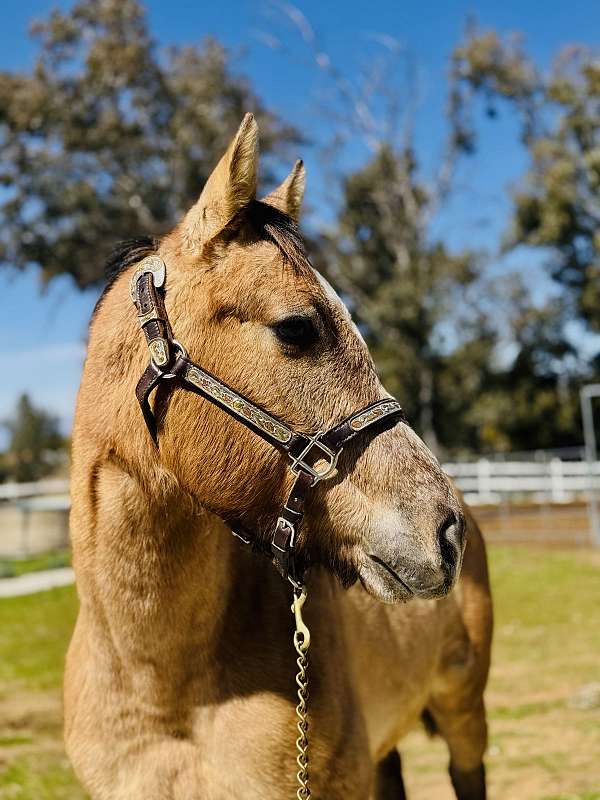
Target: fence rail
x=16, y=491
x=541, y=499
x=483, y=482
x=486, y=482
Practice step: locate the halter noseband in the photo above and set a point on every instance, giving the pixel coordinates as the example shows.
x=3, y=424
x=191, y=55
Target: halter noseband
x=313, y=457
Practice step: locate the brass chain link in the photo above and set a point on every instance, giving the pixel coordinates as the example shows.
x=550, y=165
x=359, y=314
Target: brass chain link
x=301, y=644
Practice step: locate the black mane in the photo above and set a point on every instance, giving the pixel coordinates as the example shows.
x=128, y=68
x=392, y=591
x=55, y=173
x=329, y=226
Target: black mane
x=122, y=256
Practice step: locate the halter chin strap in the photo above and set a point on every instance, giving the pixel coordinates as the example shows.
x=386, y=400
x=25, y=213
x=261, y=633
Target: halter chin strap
x=313, y=457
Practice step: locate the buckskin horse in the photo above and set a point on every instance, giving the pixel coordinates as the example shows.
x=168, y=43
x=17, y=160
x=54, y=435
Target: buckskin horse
x=180, y=674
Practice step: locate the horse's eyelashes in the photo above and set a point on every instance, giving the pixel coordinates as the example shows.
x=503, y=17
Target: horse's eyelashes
x=296, y=331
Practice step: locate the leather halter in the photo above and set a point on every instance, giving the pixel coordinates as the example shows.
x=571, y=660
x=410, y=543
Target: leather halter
x=313, y=457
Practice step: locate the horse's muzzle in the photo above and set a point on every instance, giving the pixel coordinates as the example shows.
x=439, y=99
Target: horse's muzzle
x=408, y=567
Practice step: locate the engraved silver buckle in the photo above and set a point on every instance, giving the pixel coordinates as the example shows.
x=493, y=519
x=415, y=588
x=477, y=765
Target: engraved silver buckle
x=329, y=456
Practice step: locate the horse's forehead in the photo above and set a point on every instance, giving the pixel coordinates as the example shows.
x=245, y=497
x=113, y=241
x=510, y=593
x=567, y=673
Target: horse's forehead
x=307, y=283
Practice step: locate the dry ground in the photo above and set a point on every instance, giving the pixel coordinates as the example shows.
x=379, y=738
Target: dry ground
x=544, y=694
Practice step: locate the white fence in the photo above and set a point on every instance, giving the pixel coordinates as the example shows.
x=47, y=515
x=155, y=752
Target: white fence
x=483, y=482
x=16, y=491
x=553, y=480
x=538, y=497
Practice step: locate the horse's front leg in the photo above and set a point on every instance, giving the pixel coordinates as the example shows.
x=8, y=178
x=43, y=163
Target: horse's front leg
x=167, y=770
x=243, y=749
x=250, y=749
x=113, y=769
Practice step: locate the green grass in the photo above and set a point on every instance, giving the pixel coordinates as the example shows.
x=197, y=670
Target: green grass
x=30, y=779
x=11, y=741
x=546, y=646
x=34, y=633
x=547, y=614
x=12, y=568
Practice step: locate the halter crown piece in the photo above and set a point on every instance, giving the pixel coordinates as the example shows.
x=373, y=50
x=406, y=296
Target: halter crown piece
x=313, y=456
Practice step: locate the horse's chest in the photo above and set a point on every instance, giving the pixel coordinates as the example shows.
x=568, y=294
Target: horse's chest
x=395, y=656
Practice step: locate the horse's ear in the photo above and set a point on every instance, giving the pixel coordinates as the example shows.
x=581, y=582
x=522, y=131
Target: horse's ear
x=287, y=197
x=229, y=189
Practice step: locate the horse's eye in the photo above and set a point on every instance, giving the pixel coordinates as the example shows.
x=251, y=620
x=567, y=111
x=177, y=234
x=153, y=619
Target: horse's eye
x=297, y=331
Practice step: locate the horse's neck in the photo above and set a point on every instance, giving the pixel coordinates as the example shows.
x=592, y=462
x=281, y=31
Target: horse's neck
x=153, y=566
x=181, y=610
x=167, y=567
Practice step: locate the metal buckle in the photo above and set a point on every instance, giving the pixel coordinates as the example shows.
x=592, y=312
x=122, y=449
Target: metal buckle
x=284, y=523
x=330, y=456
x=182, y=351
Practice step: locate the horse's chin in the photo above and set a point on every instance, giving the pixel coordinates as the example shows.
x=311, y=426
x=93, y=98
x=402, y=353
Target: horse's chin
x=382, y=583
x=374, y=577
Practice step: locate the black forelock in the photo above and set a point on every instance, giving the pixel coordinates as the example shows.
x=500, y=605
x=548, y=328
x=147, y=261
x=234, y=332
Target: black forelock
x=273, y=225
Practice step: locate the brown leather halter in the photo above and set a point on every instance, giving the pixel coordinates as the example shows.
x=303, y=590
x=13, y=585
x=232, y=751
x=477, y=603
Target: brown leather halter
x=313, y=457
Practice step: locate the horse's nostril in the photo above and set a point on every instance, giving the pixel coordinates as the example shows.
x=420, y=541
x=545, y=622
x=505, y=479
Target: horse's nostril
x=450, y=541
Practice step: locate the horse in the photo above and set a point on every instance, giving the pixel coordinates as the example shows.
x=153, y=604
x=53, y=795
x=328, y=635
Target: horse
x=179, y=678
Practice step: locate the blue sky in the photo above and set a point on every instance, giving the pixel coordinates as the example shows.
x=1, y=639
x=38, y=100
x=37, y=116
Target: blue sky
x=47, y=329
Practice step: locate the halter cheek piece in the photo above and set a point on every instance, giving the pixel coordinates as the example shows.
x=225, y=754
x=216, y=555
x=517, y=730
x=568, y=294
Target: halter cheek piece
x=313, y=457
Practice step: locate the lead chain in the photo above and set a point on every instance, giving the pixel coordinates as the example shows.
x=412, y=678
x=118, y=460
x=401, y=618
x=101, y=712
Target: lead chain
x=301, y=644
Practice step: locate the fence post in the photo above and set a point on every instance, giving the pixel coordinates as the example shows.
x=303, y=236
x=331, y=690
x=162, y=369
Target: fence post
x=505, y=510
x=586, y=395
x=557, y=481
x=483, y=479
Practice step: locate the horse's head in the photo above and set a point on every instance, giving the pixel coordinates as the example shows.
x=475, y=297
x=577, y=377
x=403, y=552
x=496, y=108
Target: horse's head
x=246, y=303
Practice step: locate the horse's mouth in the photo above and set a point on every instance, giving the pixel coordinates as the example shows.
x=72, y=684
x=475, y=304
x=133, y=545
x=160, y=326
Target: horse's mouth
x=382, y=581
x=387, y=584
x=392, y=572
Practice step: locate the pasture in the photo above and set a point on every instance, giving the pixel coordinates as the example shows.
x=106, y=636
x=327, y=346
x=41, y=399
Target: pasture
x=543, y=697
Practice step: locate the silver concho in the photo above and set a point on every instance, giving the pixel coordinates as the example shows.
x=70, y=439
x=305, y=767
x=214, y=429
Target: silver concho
x=158, y=352
x=153, y=264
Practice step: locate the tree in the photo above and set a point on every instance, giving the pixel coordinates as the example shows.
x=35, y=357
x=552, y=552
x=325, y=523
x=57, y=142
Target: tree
x=435, y=324
x=530, y=399
x=438, y=327
x=557, y=204
x=35, y=442
x=107, y=138
x=410, y=293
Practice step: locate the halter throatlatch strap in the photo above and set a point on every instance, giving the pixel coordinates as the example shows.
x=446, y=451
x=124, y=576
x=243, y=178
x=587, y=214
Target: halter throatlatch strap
x=313, y=457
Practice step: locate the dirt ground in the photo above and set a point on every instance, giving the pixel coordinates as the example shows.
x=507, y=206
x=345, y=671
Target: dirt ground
x=549, y=753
